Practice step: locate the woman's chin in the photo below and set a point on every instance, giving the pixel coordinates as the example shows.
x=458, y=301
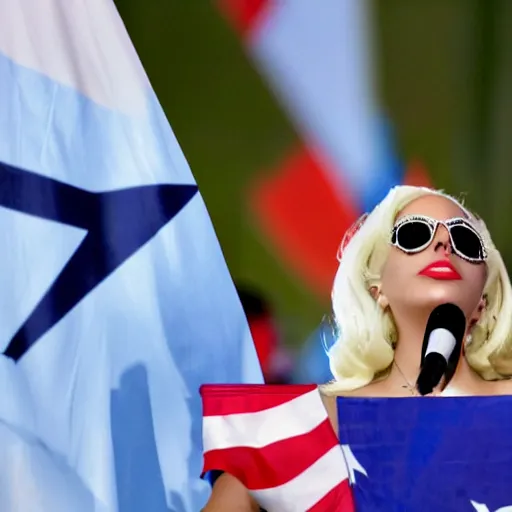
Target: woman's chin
x=447, y=292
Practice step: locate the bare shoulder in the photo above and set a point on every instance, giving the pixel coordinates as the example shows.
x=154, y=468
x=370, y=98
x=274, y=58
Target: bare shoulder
x=378, y=388
x=331, y=408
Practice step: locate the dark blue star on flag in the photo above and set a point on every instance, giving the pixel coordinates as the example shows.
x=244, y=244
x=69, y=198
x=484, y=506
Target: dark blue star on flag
x=118, y=223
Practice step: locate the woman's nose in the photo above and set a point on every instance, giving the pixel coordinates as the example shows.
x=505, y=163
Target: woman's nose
x=442, y=240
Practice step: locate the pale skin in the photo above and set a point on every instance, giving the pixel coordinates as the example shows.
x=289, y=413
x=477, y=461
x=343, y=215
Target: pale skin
x=411, y=298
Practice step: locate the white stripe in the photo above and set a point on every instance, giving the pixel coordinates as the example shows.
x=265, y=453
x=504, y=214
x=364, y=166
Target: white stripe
x=316, y=55
x=308, y=488
x=81, y=44
x=258, y=429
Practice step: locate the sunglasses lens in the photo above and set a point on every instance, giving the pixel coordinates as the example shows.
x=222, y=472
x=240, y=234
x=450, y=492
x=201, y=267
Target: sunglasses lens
x=412, y=235
x=467, y=242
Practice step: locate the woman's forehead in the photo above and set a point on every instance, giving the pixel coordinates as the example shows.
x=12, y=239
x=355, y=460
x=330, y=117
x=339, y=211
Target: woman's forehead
x=435, y=206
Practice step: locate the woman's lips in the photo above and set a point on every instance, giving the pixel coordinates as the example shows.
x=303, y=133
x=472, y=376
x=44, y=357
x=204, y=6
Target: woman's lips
x=442, y=269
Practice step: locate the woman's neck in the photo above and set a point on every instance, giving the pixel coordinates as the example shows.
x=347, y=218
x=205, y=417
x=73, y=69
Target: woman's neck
x=407, y=359
x=408, y=348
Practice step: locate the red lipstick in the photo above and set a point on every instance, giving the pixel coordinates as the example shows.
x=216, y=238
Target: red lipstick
x=441, y=269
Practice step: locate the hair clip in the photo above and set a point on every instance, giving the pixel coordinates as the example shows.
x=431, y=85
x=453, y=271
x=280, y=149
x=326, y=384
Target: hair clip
x=349, y=234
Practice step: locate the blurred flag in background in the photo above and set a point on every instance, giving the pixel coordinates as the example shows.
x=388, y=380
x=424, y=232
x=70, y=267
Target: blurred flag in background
x=318, y=60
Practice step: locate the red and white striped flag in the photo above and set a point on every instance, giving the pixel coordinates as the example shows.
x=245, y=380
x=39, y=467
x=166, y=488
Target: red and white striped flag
x=278, y=441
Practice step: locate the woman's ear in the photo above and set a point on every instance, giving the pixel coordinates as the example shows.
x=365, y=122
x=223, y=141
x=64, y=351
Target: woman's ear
x=477, y=314
x=380, y=298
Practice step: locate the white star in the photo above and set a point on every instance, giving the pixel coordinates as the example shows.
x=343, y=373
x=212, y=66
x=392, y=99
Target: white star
x=480, y=507
x=352, y=463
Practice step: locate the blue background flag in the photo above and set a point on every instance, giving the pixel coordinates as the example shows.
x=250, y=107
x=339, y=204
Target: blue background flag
x=116, y=302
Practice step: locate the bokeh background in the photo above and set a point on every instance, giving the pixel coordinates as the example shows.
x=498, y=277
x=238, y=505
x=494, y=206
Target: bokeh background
x=413, y=91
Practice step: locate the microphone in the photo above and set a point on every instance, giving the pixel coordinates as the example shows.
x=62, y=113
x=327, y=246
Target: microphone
x=441, y=346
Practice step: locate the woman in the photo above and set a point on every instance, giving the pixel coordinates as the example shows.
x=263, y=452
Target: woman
x=416, y=250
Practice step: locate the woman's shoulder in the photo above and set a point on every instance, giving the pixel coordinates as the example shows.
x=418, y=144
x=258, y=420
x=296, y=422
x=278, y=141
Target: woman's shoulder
x=373, y=389
x=330, y=404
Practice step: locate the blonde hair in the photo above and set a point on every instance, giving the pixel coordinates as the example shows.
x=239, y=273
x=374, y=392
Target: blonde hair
x=364, y=348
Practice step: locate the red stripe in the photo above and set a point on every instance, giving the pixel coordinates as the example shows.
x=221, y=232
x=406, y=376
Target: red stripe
x=304, y=216
x=277, y=463
x=244, y=15
x=224, y=399
x=339, y=499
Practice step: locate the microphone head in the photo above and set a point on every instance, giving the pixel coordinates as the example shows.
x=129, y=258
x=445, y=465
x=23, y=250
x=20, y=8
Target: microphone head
x=448, y=317
x=441, y=346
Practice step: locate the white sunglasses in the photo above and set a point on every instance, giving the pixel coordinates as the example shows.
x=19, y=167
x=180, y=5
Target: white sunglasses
x=414, y=233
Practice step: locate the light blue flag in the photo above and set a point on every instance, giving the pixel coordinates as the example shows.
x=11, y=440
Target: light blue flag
x=115, y=300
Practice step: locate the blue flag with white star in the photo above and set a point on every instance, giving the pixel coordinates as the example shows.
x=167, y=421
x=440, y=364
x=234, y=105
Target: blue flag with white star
x=444, y=454
x=115, y=301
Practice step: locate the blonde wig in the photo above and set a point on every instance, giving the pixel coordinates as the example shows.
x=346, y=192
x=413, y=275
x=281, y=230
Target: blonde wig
x=364, y=349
